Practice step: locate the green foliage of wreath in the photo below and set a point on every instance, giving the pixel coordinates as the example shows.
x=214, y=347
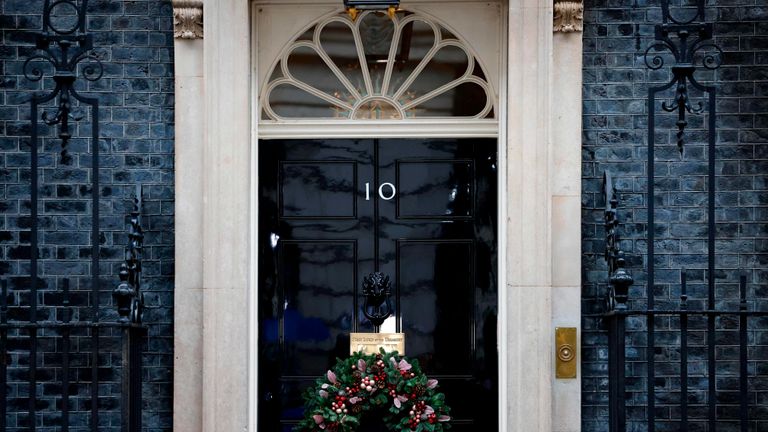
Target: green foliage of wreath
x=385, y=384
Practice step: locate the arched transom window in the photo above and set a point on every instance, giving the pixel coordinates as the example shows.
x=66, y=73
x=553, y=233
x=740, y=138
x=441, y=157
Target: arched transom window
x=377, y=67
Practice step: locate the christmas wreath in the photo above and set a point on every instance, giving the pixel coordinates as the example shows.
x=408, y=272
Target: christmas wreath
x=386, y=384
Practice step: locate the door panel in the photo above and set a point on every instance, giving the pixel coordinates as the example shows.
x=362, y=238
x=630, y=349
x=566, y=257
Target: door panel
x=314, y=318
x=318, y=189
x=436, y=303
x=435, y=189
x=421, y=211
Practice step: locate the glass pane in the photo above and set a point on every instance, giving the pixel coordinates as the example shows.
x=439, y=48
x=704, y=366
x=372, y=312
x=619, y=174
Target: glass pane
x=338, y=41
x=376, y=33
x=465, y=100
x=415, y=42
x=306, y=66
x=277, y=73
x=357, y=88
x=307, y=35
x=448, y=64
x=446, y=34
x=292, y=102
x=478, y=72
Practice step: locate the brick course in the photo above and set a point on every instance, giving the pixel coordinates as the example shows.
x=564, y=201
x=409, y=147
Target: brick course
x=616, y=82
x=134, y=40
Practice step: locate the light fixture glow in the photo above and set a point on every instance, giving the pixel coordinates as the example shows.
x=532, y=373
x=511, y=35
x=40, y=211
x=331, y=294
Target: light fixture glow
x=354, y=6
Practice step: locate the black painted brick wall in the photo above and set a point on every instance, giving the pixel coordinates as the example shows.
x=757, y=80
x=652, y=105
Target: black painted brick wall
x=134, y=40
x=616, y=82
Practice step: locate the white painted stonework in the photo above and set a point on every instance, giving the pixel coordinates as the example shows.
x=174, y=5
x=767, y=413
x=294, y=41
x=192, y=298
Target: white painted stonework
x=566, y=214
x=536, y=75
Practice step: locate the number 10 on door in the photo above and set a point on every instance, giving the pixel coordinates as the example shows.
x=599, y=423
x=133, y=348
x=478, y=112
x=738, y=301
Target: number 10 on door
x=387, y=191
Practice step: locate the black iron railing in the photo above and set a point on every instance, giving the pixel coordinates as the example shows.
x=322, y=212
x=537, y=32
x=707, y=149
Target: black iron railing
x=59, y=329
x=64, y=359
x=687, y=327
x=619, y=311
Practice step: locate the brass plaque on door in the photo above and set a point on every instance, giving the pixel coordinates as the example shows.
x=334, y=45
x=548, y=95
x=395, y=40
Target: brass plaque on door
x=370, y=343
x=565, y=353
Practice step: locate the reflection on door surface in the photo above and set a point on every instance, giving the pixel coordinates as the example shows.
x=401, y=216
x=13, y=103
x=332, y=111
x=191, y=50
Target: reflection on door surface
x=420, y=211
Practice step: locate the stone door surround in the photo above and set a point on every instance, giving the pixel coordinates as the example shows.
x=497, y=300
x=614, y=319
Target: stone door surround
x=214, y=340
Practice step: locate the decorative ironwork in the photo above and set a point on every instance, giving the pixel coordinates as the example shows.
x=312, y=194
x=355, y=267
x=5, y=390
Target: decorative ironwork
x=611, y=223
x=684, y=39
x=620, y=278
x=377, y=306
x=128, y=295
x=64, y=53
x=65, y=47
x=688, y=41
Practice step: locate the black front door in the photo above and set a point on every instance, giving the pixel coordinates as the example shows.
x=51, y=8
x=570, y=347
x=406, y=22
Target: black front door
x=421, y=211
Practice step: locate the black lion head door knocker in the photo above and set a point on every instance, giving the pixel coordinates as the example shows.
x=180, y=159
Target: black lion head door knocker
x=377, y=306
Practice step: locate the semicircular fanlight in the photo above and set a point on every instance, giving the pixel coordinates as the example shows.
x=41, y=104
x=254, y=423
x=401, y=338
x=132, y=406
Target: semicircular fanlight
x=377, y=67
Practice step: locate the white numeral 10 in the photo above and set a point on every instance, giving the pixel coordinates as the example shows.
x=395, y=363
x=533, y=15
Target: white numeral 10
x=390, y=186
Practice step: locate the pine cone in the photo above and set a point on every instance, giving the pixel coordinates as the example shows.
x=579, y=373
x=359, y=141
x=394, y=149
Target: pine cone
x=381, y=384
x=356, y=409
x=375, y=370
x=420, y=390
x=357, y=375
